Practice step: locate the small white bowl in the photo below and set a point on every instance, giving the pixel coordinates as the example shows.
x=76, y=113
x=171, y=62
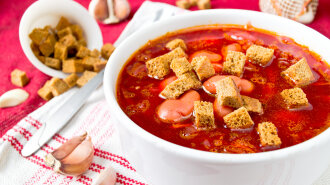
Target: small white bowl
x=48, y=12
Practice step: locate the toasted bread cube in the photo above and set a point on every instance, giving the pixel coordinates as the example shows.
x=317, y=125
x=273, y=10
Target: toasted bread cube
x=184, y=83
x=294, y=98
x=107, y=50
x=69, y=41
x=239, y=119
x=47, y=46
x=82, y=52
x=185, y=4
x=228, y=93
x=203, y=67
x=38, y=35
x=234, y=63
x=299, y=74
x=204, y=4
x=71, y=80
x=88, y=62
x=204, y=116
x=53, y=63
x=259, y=55
x=77, y=31
x=252, y=104
x=268, y=135
x=87, y=75
x=72, y=65
x=41, y=58
x=176, y=43
x=35, y=49
x=58, y=86
x=82, y=42
x=46, y=91
x=180, y=66
x=64, y=32
x=160, y=66
x=61, y=51
x=19, y=78
x=62, y=23
x=95, y=53
x=98, y=66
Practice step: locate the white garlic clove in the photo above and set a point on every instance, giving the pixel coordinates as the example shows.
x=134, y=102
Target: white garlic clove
x=106, y=177
x=109, y=11
x=13, y=98
x=74, y=157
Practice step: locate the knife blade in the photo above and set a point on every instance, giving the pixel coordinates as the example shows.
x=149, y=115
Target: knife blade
x=61, y=117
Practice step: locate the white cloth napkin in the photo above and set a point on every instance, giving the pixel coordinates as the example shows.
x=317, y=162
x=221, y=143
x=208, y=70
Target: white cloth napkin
x=94, y=117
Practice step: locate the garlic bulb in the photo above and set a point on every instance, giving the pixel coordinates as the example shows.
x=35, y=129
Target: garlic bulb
x=106, y=177
x=74, y=157
x=109, y=11
x=13, y=97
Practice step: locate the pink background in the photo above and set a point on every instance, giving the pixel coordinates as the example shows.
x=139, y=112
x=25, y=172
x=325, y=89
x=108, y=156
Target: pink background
x=12, y=56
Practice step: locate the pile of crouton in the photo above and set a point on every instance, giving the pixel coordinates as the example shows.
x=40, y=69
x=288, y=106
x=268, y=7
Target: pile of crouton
x=190, y=75
x=64, y=48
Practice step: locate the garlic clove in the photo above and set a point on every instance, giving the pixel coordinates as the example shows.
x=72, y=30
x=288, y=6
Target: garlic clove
x=106, y=177
x=74, y=157
x=109, y=11
x=13, y=98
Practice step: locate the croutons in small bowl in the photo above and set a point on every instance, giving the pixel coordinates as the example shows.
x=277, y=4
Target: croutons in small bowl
x=46, y=15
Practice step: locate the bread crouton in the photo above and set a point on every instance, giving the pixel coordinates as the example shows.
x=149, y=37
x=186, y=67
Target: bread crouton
x=204, y=4
x=82, y=51
x=180, y=66
x=176, y=43
x=95, y=53
x=107, y=50
x=62, y=23
x=252, y=104
x=64, y=32
x=98, y=66
x=204, y=116
x=46, y=91
x=228, y=93
x=203, y=67
x=299, y=74
x=160, y=66
x=69, y=41
x=71, y=80
x=259, y=55
x=47, y=46
x=294, y=98
x=72, y=65
x=58, y=86
x=88, y=62
x=87, y=75
x=234, y=63
x=268, y=135
x=238, y=119
x=53, y=63
x=38, y=35
x=184, y=83
x=185, y=4
x=77, y=31
x=61, y=51
x=19, y=78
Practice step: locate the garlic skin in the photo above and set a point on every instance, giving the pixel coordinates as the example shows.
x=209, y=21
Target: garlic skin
x=109, y=11
x=72, y=158
x=13, y=98
x=106, y=177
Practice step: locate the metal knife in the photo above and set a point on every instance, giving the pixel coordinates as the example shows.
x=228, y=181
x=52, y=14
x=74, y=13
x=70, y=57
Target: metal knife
x=61, y=117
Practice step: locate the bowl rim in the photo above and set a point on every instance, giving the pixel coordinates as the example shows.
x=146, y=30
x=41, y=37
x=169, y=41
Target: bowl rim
x=194, y=154
x=26, y=20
